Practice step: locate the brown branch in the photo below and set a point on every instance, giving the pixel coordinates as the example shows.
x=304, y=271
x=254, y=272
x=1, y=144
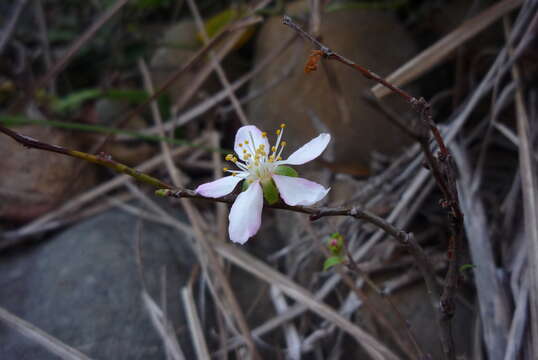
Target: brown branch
x=330, y=54
x=443, y=171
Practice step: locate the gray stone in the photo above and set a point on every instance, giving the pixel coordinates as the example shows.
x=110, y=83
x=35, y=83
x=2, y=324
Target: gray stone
x=83, y=287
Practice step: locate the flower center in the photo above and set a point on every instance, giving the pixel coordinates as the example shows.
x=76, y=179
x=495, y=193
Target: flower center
x=258, y=162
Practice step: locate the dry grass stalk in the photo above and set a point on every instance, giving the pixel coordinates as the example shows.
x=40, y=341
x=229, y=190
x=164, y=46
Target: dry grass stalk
x=529, y=188
x=49, y=342
x=193, y=321
x=162, y=326
x=493, y=301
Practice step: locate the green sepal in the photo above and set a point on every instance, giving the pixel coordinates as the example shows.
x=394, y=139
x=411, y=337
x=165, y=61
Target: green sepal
x=245, y=186
x=332, y=261
x=285, y=171
x=270, y=192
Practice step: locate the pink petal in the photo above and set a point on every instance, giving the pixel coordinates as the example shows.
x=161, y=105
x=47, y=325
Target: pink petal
x=249, y=133
x=246, y=214
x=308, y=151
x=219, y=187
x=298, y=191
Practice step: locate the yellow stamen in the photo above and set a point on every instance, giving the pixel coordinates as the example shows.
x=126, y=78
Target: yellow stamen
x=229, y=157
x=225, y=169
x=282, y=126
x=279, y=158
x=246, y=142
x=278, y=132
x=273, y=148
x=240, y=144
x=283, y=143
x=264, y=134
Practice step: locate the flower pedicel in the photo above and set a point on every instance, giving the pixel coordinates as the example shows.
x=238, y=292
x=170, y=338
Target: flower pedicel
x=265, y=175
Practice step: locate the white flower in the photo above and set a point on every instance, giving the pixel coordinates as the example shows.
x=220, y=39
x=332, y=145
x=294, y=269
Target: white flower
x=262, y=167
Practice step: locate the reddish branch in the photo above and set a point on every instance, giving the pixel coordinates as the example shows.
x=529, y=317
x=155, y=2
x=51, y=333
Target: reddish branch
x=443, y=170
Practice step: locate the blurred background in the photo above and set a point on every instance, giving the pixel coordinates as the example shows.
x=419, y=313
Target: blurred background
x=93, y=265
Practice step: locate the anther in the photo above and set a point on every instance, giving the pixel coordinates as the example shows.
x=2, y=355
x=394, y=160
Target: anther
x=282, y=126
x=283, y=143
x=278, y=132
x=225, y=169
x=264, y=134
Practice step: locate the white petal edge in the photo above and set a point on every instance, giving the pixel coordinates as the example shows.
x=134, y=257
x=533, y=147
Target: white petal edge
x=219, y=187
x=246, y=214
x=249, y=132
x=308, y=151
x=298, y=191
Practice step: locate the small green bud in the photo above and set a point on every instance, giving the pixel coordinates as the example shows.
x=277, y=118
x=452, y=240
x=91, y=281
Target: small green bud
x=335, y=243
x=162, y=192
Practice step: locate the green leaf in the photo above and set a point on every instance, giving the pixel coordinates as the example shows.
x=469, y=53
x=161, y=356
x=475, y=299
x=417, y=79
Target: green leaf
x=218, y=22
x=332, y=261
x=285, y=171
x=270, y=192
x=76, y=99
x=466, y=267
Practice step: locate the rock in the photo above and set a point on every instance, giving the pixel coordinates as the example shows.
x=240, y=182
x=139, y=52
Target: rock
x=373, y=39
x=83, y=287
x=33, y=182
